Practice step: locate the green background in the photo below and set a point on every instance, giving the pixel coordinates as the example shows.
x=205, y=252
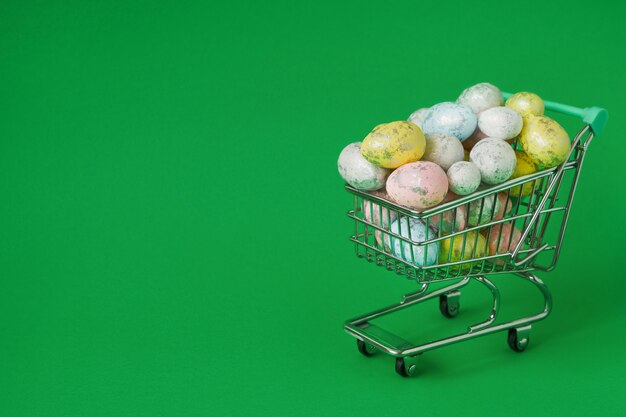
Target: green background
x=173, y=238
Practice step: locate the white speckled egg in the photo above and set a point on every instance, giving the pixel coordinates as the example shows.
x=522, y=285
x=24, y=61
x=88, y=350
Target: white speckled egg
x=452, y=119
x=463, y=177
x=481, y=97
x=416, y=231
x=500, y=122
x=495, y=159
x=483, y=211
x=442, y=149
x=417, y=116
x=358, y=172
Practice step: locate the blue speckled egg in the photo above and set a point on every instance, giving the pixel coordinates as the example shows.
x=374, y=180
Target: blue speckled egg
x=452, y=119
x=416, y=231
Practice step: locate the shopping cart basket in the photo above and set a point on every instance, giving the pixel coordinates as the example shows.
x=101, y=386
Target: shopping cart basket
x=523, y=219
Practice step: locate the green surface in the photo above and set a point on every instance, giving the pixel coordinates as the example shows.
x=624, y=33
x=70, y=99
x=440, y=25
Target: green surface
x=172, y=229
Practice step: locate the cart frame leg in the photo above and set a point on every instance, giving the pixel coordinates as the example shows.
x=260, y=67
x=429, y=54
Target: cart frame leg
x=394, y=345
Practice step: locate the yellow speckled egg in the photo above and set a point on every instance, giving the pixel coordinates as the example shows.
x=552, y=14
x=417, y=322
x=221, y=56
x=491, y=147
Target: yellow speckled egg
x=525, y=166
x=526, y=104
x=393, y=144
x=545, y=142
x=470, y=245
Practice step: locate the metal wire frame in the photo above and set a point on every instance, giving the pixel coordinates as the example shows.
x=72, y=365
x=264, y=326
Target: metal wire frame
x=476, y=221
x=362, y=328
x=479, y=229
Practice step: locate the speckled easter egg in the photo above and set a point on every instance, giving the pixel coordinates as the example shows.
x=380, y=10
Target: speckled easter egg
x=470, y=245
x=500, y=122
x=393, y=144
x=358, y=172
x=449, y=221
x=483, y=211
x=452, y=119
x=503, y=238
x=416, y=231
x=463, y=177
x=476, y=137
x=495, y=159
x=417, y=116
x=481, y=97
x=545, y=142
x=505, y=206
x=418, y=185
x=378, y=215
x=525, y=166
x=442, y=149
x=526, y=104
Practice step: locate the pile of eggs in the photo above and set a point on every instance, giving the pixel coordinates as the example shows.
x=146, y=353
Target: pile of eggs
x=453, y=149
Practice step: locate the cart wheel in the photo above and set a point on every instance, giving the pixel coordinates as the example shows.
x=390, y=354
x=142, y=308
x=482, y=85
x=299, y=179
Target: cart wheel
x=365, y=348
x=401, y=368
x=449, y=304
x=405, y=369
x=519, y=338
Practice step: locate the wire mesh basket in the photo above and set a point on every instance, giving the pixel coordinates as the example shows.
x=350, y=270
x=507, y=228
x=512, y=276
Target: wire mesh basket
x=473, y=235
x=514, y=227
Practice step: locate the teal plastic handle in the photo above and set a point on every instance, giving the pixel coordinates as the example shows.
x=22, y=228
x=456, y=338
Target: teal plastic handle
x=596, y=117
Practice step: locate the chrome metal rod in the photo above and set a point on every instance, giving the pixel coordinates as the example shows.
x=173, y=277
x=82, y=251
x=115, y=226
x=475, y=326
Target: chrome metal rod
x=408, y=297
x=403, y=348
x=553, y=183
x=494, y=308
x=415, y=299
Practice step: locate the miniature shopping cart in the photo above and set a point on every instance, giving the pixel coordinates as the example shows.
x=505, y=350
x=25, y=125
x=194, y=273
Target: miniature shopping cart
x=477, y=237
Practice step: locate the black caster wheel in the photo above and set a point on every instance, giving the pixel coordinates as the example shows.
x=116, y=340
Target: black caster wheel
x=518, y=340
x=365, y=348
x=449, y=304
x=401, y=368
x=405, y=368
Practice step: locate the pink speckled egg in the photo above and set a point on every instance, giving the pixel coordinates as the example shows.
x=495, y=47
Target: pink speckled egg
x=505, y=206
x=503, y=239
x=379, y=216
x=418, y=185
x=452, y=220
x=469, y=143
